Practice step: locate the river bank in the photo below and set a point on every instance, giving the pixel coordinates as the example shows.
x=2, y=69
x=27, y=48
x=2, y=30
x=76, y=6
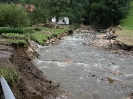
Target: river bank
x=86, y=70
x=31, y=84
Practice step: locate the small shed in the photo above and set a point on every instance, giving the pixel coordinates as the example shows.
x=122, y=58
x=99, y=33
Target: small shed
x=64, y=20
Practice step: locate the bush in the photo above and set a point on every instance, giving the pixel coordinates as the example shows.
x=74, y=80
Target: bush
x=9, y=74
x=11, y=15
x=11, y=30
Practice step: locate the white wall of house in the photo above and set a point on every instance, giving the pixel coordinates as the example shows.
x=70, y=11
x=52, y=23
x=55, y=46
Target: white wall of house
x=64, y=20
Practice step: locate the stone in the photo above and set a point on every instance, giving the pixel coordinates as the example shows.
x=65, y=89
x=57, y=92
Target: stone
x=119, y=27
x=111, y=80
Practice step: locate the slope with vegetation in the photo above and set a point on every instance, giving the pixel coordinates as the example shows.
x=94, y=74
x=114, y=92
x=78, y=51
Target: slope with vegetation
x=126, y=34
x=16, y=29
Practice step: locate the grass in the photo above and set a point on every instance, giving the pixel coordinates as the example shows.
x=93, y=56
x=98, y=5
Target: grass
x=126, y=34
x=10, y=74
x=40, y=36
x=14, y=38
x=45, y=33
x=13, y=35
x=127, y=23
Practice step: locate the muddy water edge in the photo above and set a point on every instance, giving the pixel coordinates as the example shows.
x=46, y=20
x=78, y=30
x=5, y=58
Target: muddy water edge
x=31, y=83
x=87, y=72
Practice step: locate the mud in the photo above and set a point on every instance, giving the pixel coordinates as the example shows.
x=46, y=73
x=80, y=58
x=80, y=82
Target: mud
x=32, y=84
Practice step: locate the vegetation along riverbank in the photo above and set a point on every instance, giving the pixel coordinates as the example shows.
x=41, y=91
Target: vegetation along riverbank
x=22, y=21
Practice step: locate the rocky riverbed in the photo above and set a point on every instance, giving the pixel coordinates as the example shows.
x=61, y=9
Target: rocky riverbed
x=58, y=64
x=81, y=66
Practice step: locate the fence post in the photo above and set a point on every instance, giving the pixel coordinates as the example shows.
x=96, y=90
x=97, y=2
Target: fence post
x=6, y=89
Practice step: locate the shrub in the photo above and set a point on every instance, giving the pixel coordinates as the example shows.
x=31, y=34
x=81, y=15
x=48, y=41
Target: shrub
x=11, y=15
x=10, y=74
x=11, y=30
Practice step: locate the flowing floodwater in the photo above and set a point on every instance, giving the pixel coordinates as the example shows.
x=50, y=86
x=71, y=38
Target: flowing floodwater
x=85, y=71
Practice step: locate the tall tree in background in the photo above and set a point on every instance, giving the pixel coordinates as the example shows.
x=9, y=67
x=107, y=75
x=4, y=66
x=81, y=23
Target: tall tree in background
x=100, y=13
x=77, y=11
x=41, y=12
x=11, y=15
x=47, y=9
x=104, y=13
x=9, y=1
x=59, y=8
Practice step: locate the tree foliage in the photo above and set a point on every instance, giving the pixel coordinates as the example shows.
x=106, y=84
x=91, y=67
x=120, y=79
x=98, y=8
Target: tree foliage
x=11, y=15
x=103, y=13
x=99, y=13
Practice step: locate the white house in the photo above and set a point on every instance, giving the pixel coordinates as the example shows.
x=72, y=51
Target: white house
x=64, y=20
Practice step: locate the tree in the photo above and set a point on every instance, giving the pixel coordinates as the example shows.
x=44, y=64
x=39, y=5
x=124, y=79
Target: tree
x=41, y=13
x=9, y=1
x=99, y=13
x=11, y=15
x=108, y=12
x=59, y=8
x=45, y=10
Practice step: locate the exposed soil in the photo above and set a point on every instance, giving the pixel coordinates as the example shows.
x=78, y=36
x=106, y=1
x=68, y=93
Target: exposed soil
x=32, y=84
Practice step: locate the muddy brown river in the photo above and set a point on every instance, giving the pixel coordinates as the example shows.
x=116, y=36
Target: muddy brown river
x=87, y=72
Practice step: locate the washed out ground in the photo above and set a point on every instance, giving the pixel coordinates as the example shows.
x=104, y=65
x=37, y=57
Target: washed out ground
x=87, y=71
x=31, y=84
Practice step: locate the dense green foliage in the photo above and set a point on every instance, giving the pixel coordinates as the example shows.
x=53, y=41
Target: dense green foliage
x=11, y=30
x=99, y=13
x=11, y=15
x=41, y=12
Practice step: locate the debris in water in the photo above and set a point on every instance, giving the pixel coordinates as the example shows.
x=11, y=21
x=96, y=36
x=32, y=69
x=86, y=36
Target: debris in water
x=111, y=80
x=117, y=73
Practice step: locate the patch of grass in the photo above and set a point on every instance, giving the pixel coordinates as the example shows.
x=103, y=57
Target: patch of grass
x=13, y=35
x=11, y=30
x=40, y=37
x=127, y=23
x=125, y=36
x=28, y=30
x=10, y=74
x=17, y=41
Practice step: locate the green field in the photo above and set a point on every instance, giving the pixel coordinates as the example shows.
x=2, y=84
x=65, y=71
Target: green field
x=126, y=34
x=128, y=22
x=38, y=34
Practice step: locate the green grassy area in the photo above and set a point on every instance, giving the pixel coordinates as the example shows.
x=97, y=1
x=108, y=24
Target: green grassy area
x=40, y=38
x=45, y=33
x=40, y=35
x=126, y=34
x=13, y=35
x=10, y=74
x=127, y=23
